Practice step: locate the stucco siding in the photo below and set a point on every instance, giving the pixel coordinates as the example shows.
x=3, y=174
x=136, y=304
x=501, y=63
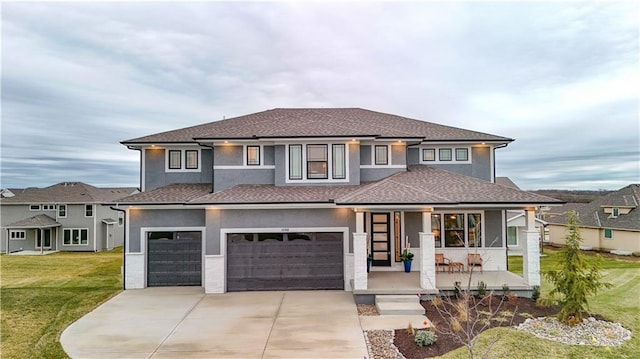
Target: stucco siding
x=226, y=178
x=480, y=166
x=398, y=154
x=494, y=227
x=376, y=174
x=139, y=218
x=228, y=155
x=365, y=155
x=157, y=176
x=413, y=226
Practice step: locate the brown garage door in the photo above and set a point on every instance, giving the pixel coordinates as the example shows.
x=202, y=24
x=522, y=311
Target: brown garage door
x=284, y=261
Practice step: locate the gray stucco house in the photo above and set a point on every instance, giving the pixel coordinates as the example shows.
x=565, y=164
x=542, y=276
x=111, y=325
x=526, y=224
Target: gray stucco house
x=298, y=198
x=68, y=216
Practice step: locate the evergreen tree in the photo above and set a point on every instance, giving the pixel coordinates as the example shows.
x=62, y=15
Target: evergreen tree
x=576, y=280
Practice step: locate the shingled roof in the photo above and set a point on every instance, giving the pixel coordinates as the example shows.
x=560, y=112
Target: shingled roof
x=38, y=221
x=317, y=122
x=66, y=192
x=592, y=214
x=420, y=185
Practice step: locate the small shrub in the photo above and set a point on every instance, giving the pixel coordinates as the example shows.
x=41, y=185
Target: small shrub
x=535, y=294
x=482, y=289
x=425, y=338
x=436, y=301
x=541, y=303
x=410, y=330
x=505, y=290
x=461, y=308
x=457, y=289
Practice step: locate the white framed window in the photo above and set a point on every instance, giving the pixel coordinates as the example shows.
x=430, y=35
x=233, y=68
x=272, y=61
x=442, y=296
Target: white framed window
x=48, y=207
x=18, y=234
x=445, y=154
x=75, y=237
x=317, y=163
x=253, y=155
x=182, y=160
x=88, y=210
x=381, y=156
x=62, y=211
x=615, y=212
x=34, y=207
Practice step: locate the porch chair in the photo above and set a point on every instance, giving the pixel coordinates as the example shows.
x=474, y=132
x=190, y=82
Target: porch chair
x=442, y=262
x=474, y=260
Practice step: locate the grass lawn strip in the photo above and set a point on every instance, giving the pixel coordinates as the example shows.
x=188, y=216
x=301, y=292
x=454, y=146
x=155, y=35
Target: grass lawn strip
x=42, y=295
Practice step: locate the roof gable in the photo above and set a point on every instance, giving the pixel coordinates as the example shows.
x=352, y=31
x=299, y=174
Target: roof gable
x=67, y=192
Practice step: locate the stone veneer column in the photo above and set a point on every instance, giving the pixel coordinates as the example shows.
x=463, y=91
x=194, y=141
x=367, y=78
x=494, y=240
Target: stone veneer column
x=359, y=261
x=427, y=261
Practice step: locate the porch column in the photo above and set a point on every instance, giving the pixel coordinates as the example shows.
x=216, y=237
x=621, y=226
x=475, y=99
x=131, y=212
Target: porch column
x=531, y=251
x=359, y=261
x=427, y=262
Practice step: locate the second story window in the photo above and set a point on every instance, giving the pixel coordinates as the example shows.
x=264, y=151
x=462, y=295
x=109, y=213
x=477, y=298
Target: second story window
x=88, y=210
x=253, y=155
x=62, y=210
x=183, y=160
x=615, y=212
x=295, y=162
x=339, y=170
x=439, y=154
x=462, y=154
x=382, y=155
x=317, y=162
x=444, y=154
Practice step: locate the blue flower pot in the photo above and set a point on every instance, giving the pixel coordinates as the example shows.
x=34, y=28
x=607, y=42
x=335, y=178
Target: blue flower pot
x=407, y=266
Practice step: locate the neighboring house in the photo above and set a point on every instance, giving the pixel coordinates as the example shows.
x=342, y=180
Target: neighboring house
x=517, y=224
x=610, y=222
x=68, y=216
x=297, y=198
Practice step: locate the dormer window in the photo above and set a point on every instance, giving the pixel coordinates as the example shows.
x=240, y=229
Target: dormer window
x=615, y=212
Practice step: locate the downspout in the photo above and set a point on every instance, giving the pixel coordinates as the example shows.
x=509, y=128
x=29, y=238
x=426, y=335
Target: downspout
x=213, y=189
x=124, y=243
x=494, y=158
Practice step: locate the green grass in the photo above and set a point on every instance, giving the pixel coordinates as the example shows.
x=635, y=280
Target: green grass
x=41, y=295
x=619, y=303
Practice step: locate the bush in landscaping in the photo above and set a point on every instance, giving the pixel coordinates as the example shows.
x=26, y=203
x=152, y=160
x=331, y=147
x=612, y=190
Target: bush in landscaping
x=505, y=290
x=425, y=338
x=482, y=289
x=535, y=294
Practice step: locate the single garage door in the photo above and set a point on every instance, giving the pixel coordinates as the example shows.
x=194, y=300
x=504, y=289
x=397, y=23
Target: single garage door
x=174, y=258
x=284, y=261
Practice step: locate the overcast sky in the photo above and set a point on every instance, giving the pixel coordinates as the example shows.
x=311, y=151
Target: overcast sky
x=560, y=78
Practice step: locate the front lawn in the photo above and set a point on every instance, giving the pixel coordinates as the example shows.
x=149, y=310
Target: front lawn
x=619, y=303
x=42, y=295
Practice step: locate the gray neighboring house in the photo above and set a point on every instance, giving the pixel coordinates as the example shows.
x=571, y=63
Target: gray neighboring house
x=517, y=224
x=298, y=198
x=68, y=216
x=608, y=223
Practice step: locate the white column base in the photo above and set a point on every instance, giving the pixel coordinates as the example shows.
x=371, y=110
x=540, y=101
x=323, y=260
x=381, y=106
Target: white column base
x=214, y=274
x=134, y=276
x=360, y=276
x=427, y=261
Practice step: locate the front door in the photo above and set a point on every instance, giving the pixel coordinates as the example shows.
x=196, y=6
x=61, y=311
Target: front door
x=380, y=241
x=43, y=236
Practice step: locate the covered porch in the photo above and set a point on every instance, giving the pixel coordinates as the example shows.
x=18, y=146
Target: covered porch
x=426, y=277
x=33, y=234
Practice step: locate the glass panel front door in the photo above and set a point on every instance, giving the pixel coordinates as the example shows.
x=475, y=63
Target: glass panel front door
x=380, y=239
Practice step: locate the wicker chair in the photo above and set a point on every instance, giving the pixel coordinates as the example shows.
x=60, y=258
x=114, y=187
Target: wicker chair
x=474, y=260
x=442, y=262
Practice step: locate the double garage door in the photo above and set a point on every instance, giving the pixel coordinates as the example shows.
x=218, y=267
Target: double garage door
x=284, y=261
x=255, y=261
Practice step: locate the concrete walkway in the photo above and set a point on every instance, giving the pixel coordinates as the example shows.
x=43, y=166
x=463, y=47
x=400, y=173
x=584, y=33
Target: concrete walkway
x=186, y=323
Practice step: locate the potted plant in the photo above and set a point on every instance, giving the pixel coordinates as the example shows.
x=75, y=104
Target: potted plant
x=406, y=257
x=369, y=260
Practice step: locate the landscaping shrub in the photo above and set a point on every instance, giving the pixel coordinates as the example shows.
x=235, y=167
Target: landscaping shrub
x=425, y=338
x=482, y=289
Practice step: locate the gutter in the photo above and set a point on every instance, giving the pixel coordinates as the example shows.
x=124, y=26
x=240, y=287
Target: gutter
x=124, y=241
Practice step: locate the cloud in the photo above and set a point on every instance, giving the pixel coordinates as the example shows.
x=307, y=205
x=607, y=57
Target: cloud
x=560, y=78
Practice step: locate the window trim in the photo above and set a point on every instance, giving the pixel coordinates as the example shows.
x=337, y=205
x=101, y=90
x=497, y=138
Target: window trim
x=183, y=159
x=300, y=164
x=13, y=234
x=35, y=207
x=615, y=212
x=246, y=155
x=304, y=178
x=87, y=209
x=326, y=160
x=186, y=162
x=375, y=155
x=179, y=158
x=454, y=158
x=610, y=237
x=80, y=230
x=335, y=146
x=466, y=151
x=48, y=207
x=62, y=207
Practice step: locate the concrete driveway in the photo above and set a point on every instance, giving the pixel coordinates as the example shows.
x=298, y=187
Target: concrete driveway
x=186, y=323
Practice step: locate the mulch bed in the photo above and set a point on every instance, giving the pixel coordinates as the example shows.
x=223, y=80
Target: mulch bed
x=447, y=342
